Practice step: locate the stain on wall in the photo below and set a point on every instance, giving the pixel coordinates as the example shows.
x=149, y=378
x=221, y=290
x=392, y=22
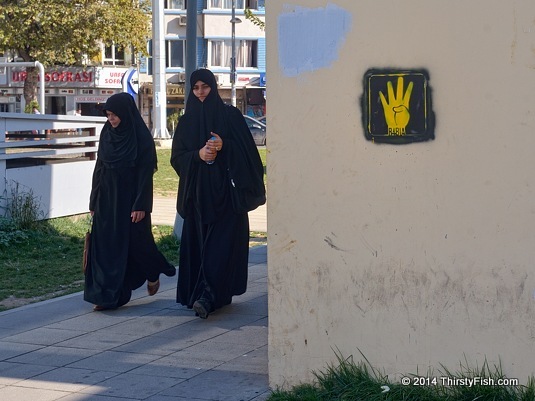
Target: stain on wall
x=310, y=39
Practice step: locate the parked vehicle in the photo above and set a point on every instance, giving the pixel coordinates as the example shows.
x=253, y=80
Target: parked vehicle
x=258, y=130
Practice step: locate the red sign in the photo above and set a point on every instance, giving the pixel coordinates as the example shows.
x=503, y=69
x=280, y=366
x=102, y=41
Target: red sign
x=61, y=77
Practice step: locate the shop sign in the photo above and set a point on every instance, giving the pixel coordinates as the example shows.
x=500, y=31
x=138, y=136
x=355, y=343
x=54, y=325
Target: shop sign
x=91, y=99
x=171, y=90
x=57, y=77
x=109, y=77
x=175, y=90
x=249, y=79
x=130, y=81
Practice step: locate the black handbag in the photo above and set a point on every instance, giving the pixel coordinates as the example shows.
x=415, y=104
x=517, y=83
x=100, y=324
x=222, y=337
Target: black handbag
x=87, y=244
x=245, y=169
x=245, y=199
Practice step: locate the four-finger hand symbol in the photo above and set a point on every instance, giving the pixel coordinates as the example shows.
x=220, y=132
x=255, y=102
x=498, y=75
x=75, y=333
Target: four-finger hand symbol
x=396, y=108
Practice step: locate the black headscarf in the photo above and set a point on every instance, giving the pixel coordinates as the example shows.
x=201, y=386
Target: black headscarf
x=209, y=114
x=120, y=146
x=206, y=187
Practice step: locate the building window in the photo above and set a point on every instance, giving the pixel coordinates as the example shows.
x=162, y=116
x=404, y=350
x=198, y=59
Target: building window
x=240, y=4
x=175, y=53
x=176, y=4
x=246, y=53
x=145, y=63
x=117, y=56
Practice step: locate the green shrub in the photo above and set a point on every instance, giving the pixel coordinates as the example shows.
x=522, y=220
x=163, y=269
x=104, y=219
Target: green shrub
x=350, y=381
x=10, y=234
x=30, y=106
x=23, y=208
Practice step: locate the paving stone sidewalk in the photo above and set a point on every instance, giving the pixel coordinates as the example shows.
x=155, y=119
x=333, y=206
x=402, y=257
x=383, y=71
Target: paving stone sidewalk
x=151, y=349
x=164, y=212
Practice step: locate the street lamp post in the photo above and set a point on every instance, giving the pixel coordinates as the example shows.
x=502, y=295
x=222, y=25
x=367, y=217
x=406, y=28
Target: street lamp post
x=233, y=22
x=158, y=78
x=191, y=44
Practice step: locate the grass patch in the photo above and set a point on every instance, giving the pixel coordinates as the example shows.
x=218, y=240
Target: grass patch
x=47, y=261
x=257, y=238
x=166, y=179
x=44, y=260
x=350, y=381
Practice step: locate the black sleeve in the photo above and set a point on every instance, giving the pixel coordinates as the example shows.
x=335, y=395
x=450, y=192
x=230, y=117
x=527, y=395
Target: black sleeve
x=182, y=155
x=95, y=184
x=185, y=160
x=145, y=167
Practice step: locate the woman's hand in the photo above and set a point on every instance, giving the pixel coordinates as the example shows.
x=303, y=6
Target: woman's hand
x=209, y=152
x=217, y=143
x=137, y=216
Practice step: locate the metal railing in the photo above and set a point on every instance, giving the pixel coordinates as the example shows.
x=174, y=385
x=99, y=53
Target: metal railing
x=51, y=155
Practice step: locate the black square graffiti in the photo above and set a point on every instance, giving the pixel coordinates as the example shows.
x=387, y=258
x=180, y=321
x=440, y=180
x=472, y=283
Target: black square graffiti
x=396, y=106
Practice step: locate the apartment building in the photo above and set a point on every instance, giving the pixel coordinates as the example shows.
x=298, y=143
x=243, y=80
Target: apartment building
x=213, y=48
x=88, y=87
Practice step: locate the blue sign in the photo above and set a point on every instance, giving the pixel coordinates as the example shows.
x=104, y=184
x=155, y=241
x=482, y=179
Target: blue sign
x=130, y=82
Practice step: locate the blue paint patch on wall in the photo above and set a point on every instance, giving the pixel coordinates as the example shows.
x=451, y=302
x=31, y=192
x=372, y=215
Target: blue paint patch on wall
x=310, y=39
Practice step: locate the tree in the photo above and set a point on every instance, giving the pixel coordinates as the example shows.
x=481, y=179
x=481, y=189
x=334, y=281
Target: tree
x=254, y=19
x=64, y=32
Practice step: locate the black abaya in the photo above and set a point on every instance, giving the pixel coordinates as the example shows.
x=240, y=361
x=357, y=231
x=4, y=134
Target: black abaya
x=123, y=254
x=214, y=249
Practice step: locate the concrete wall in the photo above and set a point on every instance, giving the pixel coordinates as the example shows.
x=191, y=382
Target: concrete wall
x=60, y=185
x=219, y=26
x=418, y=254
x=60, y=189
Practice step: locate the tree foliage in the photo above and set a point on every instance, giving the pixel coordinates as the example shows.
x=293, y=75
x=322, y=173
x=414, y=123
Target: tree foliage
x=63, y=32
x=254, y=19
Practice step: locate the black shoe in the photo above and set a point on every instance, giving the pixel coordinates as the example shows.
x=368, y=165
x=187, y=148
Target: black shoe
x=170, y=271
x=202, y=307
x=100, y=308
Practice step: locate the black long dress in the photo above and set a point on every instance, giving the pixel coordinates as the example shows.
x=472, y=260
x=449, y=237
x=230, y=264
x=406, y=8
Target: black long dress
x=214, y=249
x=123, y=254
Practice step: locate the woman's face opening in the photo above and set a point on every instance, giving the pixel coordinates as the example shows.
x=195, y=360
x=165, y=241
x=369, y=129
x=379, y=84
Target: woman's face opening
x=201, y=90
x=113, y=119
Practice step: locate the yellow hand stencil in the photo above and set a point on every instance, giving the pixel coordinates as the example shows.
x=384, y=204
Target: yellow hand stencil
x=396, y=109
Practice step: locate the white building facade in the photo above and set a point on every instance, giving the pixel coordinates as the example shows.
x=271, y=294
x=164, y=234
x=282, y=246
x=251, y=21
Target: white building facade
x=213, y=48
x=87, y=88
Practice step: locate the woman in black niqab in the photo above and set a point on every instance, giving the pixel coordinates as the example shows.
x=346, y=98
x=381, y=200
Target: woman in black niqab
x=214, y=247
x=123, y=254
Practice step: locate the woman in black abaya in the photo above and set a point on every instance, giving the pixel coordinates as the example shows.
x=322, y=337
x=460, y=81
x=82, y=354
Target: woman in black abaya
x=123, y=254
x=214, y=249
